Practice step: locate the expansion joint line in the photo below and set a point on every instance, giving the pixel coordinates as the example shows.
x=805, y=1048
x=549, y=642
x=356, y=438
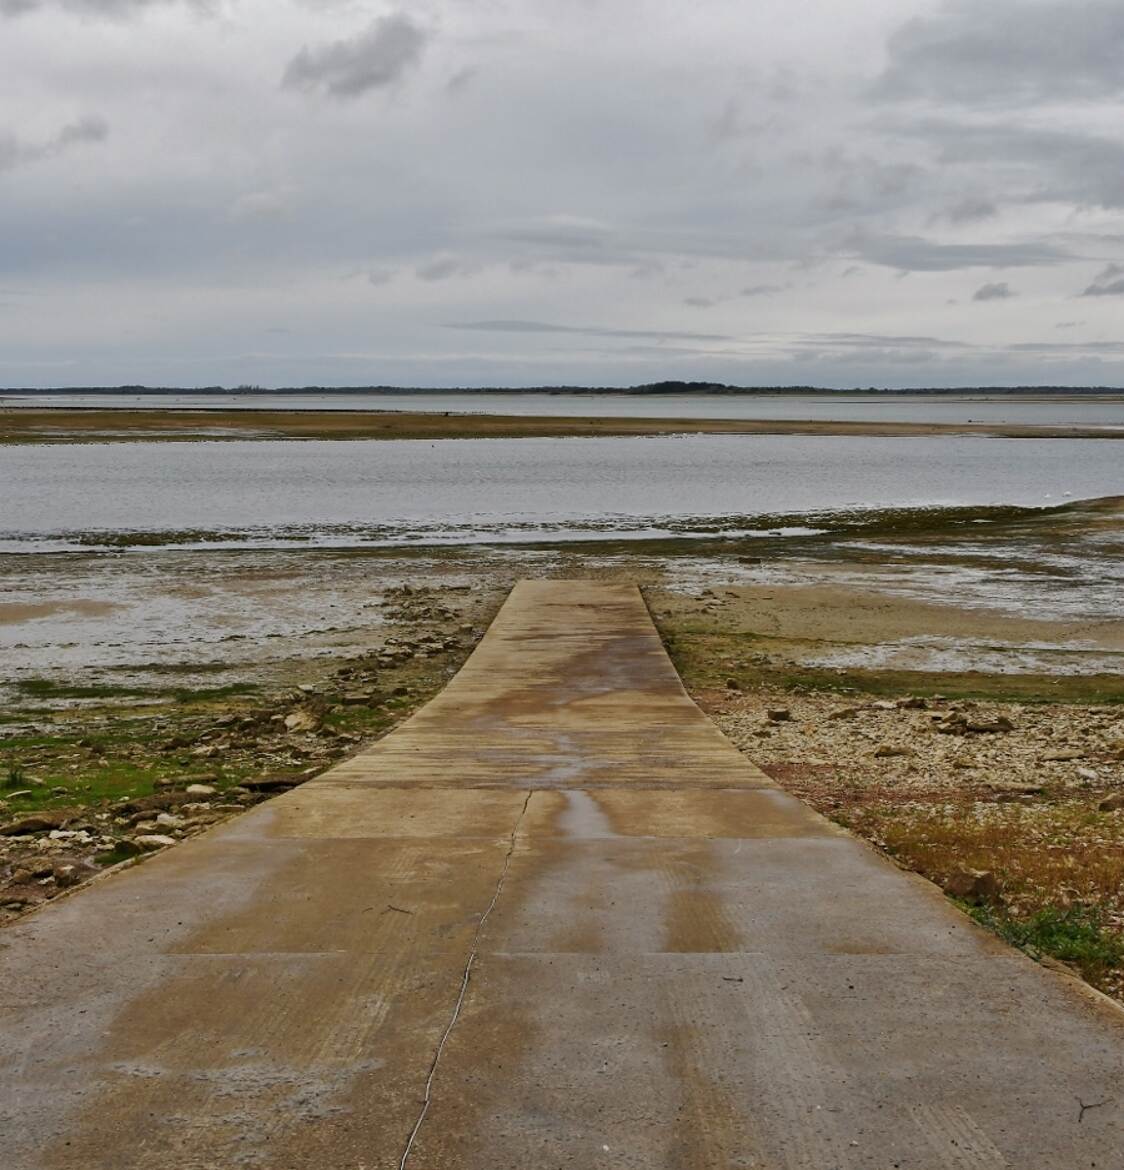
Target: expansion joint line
x=466, y=975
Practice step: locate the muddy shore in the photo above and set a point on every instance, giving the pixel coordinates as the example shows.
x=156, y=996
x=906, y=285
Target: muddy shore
x=986, y=752
x=91, y=424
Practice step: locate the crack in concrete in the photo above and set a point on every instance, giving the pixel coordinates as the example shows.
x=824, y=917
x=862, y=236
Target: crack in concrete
x=474, y=950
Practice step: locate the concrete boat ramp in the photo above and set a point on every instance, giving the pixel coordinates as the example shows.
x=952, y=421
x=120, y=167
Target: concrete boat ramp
x=554, y=920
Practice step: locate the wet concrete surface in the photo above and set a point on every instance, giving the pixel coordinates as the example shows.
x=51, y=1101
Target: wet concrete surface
x=560, y=899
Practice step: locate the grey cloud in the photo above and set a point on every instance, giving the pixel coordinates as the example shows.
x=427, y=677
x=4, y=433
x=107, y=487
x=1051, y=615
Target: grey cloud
x=915, y=254
x=1109, y=347
x=756, y=290
x=258, y=205
x=373, y=59
x=575, y=240
x=566, y=233
x=461, y=80
x=970, y=209
x=582, y=330
x=446, y=267
x=878, y=340
x=1008, y=52
x=14, y=152
x=1065, y=166
x=111, y=9
x=1107, y=283
x=999, y=291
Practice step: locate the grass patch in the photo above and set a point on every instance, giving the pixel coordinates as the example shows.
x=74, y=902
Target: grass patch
x=207, y=694
x=45, y=688
x=705, y=658
x=48, y=689
x=1071, y=934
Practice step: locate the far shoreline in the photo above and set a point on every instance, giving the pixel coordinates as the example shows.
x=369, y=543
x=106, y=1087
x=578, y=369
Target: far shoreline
x=21, y=424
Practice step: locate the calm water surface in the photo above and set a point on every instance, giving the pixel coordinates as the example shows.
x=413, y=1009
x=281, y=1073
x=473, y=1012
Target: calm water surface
x=362, y=493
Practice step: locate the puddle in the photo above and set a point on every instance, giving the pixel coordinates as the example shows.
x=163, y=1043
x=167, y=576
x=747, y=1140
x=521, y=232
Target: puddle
x=583, y=817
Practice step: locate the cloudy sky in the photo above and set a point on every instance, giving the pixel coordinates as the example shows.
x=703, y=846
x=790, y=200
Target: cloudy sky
x=512, y=192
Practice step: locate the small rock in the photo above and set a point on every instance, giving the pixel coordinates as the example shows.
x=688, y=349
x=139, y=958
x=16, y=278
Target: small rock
x=40, y=822
x=991, y=726
x=954, y=724
x=887, y=751
x=732, y=684
x=916, y=703
x=778, y=715
x=170, y=821
x=1112, y=802
x=301, y=721
x=148, y=804
x=200, y=790
x=883, y=705
x=30, y=871
x=1087, y=774
x=973, y=885
x=67, y=874
x=844, y=713
x=1062, y=757
x=152, y=841
x=1006, y=790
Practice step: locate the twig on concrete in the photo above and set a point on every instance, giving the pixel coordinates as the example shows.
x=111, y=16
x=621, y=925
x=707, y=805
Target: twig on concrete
x=466, y=975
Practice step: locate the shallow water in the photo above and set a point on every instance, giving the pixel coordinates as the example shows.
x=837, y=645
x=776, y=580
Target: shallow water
x=1033, y=410
x=277, y=494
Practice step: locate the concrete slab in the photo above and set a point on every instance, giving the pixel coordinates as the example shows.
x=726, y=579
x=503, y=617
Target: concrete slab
x=554, y=920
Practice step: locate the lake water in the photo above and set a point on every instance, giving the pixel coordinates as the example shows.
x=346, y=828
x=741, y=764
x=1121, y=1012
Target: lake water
x=1030, y=410
x=363, y=493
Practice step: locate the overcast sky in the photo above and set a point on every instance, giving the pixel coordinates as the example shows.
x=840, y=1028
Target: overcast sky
x=511, y=192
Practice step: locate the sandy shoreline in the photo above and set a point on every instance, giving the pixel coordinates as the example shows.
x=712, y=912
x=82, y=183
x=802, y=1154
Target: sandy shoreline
x=94, y=424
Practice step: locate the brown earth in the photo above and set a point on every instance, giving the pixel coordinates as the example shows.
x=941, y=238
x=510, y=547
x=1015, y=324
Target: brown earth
x=92, y=424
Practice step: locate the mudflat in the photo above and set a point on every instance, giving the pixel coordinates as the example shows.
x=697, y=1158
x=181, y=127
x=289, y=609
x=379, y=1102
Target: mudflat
x=90, y=424
x=555, y=918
